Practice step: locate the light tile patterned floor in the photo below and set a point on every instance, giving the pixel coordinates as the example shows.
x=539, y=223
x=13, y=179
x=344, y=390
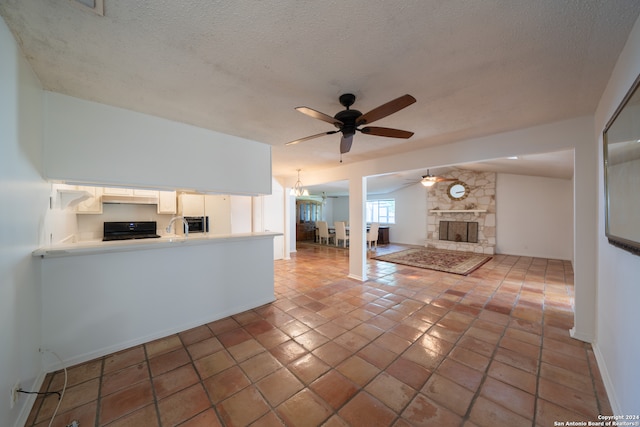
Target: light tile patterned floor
x=409, y=347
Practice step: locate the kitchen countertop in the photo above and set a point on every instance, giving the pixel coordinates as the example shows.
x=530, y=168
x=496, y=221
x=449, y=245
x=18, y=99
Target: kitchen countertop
x=98, y=246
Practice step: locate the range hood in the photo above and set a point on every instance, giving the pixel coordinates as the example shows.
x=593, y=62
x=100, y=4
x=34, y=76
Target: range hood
x=126, y=199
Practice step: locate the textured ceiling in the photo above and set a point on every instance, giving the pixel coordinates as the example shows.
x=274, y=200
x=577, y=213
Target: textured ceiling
x=241, y=67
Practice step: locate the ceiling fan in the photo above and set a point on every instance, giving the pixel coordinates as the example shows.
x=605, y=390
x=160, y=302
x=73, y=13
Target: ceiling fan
x=428, y=180
x=348, y=121
x=325, y=197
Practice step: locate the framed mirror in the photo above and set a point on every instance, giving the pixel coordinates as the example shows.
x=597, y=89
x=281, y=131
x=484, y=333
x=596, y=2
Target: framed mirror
x=622, y=173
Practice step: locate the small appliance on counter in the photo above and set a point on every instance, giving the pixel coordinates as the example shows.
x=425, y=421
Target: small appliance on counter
x=197, y=224
x=124, y=230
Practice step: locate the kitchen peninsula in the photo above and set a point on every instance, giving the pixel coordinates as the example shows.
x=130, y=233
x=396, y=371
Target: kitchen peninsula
x=101, y=297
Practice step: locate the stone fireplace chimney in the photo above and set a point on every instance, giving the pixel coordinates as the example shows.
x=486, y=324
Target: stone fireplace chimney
x=467, y=225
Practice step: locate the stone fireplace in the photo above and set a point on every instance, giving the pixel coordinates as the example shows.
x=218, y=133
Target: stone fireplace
x=467, y=225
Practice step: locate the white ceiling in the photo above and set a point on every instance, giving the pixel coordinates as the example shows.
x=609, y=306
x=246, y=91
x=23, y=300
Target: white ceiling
x=241, y=67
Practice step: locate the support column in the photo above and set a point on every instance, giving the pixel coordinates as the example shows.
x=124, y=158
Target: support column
x=357, y=227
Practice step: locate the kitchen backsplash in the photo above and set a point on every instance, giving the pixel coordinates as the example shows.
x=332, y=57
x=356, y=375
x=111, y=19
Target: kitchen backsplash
x=90, y=227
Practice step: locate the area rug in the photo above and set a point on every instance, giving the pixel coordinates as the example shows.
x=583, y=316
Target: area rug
x=435, y=259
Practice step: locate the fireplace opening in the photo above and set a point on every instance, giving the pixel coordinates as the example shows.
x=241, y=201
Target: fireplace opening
x=459, y=231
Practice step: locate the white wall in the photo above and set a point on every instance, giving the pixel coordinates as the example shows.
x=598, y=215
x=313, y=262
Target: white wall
x=340, y=210
x=617, y=345
x=411, y=214
x=534, y=216
x=85, y=142
x=240, y=214
x=545, y=205
x=268, y=215
x=24, y=201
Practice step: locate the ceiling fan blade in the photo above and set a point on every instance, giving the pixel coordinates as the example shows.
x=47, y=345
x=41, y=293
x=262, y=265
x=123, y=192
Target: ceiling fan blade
x=320, y=116
x=386, y=109
x=434, y=178
x=345, y=143
x=391, y=133
x=311, y=137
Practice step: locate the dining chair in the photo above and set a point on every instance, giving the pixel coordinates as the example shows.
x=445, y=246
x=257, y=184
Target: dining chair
x=372, y=235
x=341, y=233
x=323, y=232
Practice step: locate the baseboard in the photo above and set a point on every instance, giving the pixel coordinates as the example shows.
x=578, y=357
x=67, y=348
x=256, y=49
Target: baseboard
x=606, y=379
x=581, y=336
x=78, y=359
x=30, y=400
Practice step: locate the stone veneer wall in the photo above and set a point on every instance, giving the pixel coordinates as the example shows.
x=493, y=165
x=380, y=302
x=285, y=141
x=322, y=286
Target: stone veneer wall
x=482, y=195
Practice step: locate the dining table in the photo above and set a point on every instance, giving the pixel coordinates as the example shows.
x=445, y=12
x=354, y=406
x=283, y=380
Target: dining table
x=383, y=233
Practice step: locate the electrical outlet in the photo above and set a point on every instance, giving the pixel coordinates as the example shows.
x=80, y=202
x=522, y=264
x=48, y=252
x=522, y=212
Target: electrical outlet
x=15, y=394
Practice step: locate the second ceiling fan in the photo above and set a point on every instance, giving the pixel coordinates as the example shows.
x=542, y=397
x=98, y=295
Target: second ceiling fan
x=428, y=180
x=349, y=121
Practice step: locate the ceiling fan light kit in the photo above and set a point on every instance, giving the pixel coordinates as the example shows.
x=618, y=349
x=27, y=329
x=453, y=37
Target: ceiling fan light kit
x=348, y=121
x=428, y=180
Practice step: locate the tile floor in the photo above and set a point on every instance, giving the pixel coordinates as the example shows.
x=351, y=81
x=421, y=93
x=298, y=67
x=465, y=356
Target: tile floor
x=409, y=347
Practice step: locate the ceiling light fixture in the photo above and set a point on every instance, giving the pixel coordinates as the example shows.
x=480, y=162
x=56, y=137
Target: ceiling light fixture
x=297, y=189
x=427, y=182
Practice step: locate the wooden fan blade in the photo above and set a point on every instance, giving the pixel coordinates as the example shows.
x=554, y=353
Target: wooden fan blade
x=438, y=179
x=311, y=137
x=386, y=109
x=345, y=143
x=320, y=116
x=391, y=133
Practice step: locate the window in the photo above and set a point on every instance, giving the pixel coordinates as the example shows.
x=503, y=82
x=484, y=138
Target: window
x=382, y=211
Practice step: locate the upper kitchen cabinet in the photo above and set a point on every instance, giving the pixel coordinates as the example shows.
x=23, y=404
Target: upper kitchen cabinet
x=120, y=191
x=191, y=204
x=87, y=142
x=167, y=202
x=92, y=205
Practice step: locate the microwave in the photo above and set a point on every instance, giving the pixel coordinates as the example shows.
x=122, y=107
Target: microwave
x=197, y=224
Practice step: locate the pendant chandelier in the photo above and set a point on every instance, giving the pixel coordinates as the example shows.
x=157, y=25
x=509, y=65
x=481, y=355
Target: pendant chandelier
x=297, y=189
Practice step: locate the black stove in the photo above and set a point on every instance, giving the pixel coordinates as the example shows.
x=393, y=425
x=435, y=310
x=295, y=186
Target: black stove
x=125, y=230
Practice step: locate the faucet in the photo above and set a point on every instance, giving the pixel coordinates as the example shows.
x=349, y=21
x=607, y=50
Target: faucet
x=184, y=221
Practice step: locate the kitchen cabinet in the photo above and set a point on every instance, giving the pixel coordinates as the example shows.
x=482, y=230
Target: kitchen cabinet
x=218, y=209
x=93, y=205
x=191, y=204
x=118, y=191
x=167, y=202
